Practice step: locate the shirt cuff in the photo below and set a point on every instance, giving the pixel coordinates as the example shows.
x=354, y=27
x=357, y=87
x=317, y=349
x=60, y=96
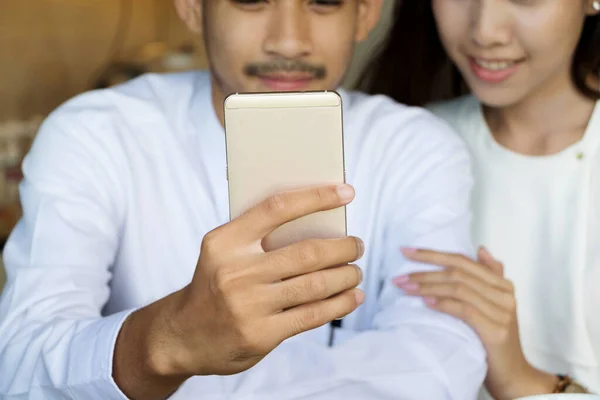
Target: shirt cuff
x=91, y=360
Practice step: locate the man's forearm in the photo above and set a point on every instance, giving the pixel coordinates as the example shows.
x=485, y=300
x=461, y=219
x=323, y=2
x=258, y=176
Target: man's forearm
x=142, y=365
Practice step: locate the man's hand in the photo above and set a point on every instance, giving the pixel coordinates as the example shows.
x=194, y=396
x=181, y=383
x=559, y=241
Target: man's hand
x=242, y=302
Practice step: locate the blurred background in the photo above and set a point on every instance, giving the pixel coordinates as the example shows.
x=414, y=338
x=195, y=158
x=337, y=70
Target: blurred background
x=51, y=50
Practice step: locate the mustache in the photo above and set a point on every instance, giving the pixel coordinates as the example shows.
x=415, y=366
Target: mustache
x=266, y=68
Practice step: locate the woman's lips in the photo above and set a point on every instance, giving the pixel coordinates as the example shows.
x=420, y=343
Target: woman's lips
x=494, y=71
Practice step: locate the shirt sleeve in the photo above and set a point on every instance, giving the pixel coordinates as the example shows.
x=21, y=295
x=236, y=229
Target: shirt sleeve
x=410, y=351
x=54, y=342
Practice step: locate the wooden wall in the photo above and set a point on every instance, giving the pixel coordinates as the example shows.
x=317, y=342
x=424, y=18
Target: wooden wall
x=51, y=50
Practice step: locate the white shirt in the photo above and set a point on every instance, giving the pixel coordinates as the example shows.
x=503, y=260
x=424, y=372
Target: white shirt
x=120, y=187
x=541, y=217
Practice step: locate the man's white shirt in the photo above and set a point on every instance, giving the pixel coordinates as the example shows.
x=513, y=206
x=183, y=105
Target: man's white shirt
x=122, y=184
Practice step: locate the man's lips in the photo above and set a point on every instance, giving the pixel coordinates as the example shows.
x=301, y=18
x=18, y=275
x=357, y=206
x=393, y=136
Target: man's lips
x=282, y=82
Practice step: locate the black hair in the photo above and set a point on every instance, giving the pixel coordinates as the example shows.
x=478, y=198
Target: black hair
x=412, y=67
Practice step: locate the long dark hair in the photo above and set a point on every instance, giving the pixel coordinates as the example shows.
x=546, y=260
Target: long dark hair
x=412, y=67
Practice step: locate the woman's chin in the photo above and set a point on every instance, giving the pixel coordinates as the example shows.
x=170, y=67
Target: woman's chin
x=496, y=97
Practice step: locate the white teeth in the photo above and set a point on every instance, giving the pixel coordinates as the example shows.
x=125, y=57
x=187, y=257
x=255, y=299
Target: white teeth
x=494, y=65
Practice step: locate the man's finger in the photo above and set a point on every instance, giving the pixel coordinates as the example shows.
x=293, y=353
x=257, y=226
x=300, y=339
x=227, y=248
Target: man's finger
x=316, y=286
x=313, y=315
x=284, y=207
x=308, y=256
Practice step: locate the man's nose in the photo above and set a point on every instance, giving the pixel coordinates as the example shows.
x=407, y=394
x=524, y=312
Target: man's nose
x=289, y=33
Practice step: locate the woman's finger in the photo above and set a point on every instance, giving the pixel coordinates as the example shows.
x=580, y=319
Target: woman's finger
x=485, y=257
x=484, y=326
x=499, y=297
x=463, y=293
x=457, y=261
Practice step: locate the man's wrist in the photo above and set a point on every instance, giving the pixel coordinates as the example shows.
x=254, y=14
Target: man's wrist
x=145, y=364
x=163, y=347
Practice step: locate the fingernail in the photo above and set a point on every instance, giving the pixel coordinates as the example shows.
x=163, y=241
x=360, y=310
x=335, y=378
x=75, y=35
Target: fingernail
x=487, y=252
x=409, y=287
x=430, y=301
x=360, y=296
x=361, y=247
x=407, y=251
x=345, y=193
x=360, y=274
x=399, y=280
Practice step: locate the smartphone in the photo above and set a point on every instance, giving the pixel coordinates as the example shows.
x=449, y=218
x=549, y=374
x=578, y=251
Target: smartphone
x=285, y=141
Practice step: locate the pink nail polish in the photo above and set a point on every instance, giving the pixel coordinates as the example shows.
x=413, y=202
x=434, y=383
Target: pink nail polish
x=430, y=301
x=409, y=287
x=407, y=251
x=401, y=279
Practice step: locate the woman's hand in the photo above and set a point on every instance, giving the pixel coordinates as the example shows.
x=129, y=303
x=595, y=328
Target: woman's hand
x=477, y=293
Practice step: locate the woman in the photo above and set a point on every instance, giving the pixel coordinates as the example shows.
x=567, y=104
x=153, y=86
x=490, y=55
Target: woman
x=532, y=123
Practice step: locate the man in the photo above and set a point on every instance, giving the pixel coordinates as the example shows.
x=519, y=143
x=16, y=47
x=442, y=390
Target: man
x=125, y=279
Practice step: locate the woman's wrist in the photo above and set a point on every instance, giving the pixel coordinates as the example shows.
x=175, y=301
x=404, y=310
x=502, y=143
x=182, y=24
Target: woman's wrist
x=528, y=381
x=535, y=382
x=543, y=382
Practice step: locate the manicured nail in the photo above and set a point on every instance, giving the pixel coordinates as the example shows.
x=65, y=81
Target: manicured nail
x=345, y=193
x=360, y=296
x=409, y=287
x=488, y=253
x=430, y=301
x=399, y=280
x=407, y=251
